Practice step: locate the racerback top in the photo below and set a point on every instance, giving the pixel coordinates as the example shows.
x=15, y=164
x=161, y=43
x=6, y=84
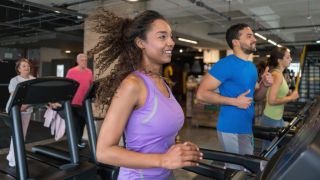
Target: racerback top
x=152, y=129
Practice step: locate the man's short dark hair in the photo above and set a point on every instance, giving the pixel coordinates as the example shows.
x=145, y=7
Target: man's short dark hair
x=233, y=32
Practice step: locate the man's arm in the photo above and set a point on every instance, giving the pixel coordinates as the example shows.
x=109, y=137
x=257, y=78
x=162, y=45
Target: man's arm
x=206, y=94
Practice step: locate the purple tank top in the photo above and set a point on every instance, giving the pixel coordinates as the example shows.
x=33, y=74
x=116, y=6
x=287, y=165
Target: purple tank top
x=152, y=129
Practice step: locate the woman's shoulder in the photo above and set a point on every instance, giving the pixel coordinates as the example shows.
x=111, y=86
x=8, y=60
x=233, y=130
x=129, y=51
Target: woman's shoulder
x=132, y=82
x=277, y=76
x=276, y=73
x=32, y=77
x=14, y=79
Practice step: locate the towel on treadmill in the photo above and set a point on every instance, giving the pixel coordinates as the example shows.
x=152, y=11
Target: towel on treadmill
x=57, y=124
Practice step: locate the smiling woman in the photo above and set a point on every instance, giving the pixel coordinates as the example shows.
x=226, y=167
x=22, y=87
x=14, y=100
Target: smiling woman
x=141, y=105
x=23, y=70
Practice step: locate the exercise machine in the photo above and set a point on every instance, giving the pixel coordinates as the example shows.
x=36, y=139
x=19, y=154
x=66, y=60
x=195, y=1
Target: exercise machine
x=296, y=160
x=42, y=91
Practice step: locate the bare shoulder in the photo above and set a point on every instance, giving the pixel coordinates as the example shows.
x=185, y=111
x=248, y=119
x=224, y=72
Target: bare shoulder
x=131, y=84
x=276, y=74
x=277, y=77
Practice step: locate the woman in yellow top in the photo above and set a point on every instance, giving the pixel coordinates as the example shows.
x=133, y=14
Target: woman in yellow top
x=278, y=93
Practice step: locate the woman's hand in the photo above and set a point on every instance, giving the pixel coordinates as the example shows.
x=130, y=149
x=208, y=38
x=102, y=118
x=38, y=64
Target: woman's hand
x=55, y=105
x=266, y=78
x=24, y=107
x=181, y=155
x=294, y=95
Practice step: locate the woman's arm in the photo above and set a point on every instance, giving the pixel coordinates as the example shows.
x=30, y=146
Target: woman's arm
x=265, y=83
x=131, y=94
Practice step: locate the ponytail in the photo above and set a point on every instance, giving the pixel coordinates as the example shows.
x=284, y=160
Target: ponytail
x=276, y=53
x=117, y=46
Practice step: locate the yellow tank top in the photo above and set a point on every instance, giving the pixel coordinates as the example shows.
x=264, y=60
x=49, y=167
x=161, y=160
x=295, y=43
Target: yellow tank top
x=276, y=111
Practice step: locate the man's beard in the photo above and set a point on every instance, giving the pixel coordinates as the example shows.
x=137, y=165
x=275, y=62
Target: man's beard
x=248, y=50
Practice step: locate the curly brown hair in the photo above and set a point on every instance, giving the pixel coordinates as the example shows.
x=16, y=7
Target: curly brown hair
x=117, y=45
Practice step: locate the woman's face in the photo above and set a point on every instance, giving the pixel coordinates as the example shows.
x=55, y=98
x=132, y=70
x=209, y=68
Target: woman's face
x=24, y=68
x=285, y=62
x=158, y=46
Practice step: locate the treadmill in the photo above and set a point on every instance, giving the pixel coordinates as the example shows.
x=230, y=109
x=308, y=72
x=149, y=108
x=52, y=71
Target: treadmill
x=41, y=91
x=281, y=136
x=298, y=159
x=58, y=150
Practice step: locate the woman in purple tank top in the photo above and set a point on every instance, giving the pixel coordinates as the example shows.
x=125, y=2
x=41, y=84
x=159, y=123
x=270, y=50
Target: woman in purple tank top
x=140, y=104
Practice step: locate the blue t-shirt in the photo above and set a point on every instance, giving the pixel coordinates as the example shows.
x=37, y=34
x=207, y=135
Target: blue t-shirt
x=236, y=76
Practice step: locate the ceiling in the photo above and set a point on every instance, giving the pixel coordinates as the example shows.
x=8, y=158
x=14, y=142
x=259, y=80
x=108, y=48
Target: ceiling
x=287, y=22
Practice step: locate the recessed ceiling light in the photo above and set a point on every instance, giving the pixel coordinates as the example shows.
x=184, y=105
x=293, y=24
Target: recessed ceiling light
x=272, y=42
x=260, y=36
x=188, y=40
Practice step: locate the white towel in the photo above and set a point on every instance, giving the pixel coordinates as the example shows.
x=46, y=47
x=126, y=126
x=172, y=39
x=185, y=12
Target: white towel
x=57, y=124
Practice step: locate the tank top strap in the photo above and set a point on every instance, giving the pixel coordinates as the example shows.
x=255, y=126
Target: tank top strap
x=145, y=79
x=148, y=83
x=275, y=69
x=169, y=90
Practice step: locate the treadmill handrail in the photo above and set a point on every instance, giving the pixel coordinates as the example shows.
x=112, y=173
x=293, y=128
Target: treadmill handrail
x=282, y=134
x=210, y=171
x=266, y=129
x=250, y=162
x=92, y=133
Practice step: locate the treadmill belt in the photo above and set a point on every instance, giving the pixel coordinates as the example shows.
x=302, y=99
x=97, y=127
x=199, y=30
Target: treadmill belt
x=63, y=145
x=40, y=170
x=6, y=176
x=34, y=126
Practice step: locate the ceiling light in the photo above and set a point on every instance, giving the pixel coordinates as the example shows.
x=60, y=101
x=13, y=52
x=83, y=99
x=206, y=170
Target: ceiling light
x=67, y=51
x=132, y=0
x=198, y=57
x=318, y=41
x=260, y=36
x=56, y=11
x=279, y=45
x=188, y=40
x=272, y=42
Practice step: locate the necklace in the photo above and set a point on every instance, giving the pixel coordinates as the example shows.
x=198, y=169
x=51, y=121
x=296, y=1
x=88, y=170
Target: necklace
x=155, y=74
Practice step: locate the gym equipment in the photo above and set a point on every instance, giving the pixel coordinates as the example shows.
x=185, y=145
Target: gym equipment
x=296, y=160
x=105, y=171
x=41, y=91
x=281, y=136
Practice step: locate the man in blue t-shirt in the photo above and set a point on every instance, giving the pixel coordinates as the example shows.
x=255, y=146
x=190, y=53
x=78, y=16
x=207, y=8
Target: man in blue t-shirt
x=236, y=77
